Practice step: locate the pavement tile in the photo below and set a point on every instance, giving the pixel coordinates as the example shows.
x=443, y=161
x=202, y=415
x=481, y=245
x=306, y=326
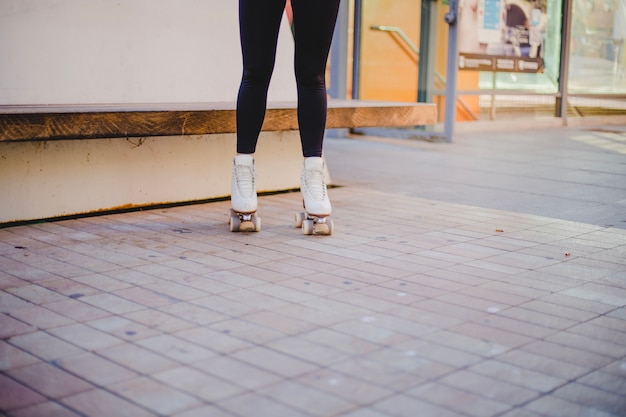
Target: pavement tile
x=615, y=335
x=49, y=380
x=345, y=386
x=569, y=354
x=605, y=381
x=249, y=376
x=70, y=288
x=590, y=306
x=397, y=296
x=10, y=281
x=284, y=293
x=255, y=299
x=173, y=292
x=546, y=365
x=122, y=328
x=519, y=376
x=225, y=306
x=85, y=337
x=36, y=294
x=437, y=353
x=366, y=329
x=521, y=412
x=410, y=362
x=145, y=297
x=405, y=406
x=250, y=404
x=376, y=373
x=515, y=287
x=193, y=313
x=468, y=344
x=517, y=326
x=416, y=287
x=593, y=398
x=555, y=407
x=216, y=341
x=463, y=306
x=567, y=313
x=589, y=344
x=599, y=293
x=95, y=369
x=312, y=286
x=155, y=396
x=278, y=322
x=112, y=303
x=274, y=361
x=101, y=282
x=464, y=402
x=45, y=346
x=99, y=403
x=537, y=318
x=198, y=384
x=137, y=358
x=359, y=299
x=176, y=348
x=76, y=310
x=247, y=331
x=307, y=399
x=40, y=317
x=341, y=341
x=158, y=320
x=47, y=409
x=25, y=272
x=205, y=411
x=12, y=357
x=308, y=351
x=489, y=388
x=488, y=333
x=16, y=395
x=10, y=326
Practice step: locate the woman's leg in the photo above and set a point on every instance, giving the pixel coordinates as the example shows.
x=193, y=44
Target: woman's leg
x=314, y=24
x=259, y=23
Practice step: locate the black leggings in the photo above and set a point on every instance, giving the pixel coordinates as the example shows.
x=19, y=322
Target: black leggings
x=259, y=21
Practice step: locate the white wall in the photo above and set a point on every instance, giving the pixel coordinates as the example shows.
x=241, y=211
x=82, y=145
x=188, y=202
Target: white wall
x=126, y=51
x=129, y=51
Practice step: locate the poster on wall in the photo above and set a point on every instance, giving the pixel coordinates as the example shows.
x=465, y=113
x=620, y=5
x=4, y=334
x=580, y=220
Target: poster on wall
x=502, y=35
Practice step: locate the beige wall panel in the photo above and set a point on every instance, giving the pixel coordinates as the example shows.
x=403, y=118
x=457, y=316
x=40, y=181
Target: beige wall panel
x=58, y=178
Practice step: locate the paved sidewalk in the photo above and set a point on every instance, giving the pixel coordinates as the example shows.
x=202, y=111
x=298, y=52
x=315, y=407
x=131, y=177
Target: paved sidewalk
x=419, y=305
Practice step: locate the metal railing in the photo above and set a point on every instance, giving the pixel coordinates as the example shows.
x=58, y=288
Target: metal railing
x=391, y=30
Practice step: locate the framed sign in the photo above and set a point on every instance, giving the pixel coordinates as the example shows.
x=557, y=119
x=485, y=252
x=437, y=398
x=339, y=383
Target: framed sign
x=502, y=35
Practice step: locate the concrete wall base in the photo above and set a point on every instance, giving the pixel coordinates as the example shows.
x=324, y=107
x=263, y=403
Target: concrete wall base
x=69, y=177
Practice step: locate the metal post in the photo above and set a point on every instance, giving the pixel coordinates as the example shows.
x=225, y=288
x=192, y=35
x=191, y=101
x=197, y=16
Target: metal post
x=451, y=71
x=356, y=54
x=339, y=55
x=566, y=29
x=424, y=78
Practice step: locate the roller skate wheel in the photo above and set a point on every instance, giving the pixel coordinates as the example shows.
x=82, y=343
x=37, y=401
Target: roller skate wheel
x=300, y=217
x=330, y=225
x=244, y=222
x=308, y=227
x=234, y=223
x=256, y=222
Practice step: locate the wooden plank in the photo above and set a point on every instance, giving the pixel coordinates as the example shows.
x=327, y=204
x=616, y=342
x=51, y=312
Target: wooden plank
x=22, y=123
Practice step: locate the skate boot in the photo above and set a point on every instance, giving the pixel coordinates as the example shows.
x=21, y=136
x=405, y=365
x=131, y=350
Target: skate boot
x=243, y=198
x=315, y=199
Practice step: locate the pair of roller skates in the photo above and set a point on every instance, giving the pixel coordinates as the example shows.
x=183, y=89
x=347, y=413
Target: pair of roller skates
x=317, y=208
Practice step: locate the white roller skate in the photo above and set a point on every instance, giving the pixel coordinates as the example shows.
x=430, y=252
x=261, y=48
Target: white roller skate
x=244, y=202
x=317, y=206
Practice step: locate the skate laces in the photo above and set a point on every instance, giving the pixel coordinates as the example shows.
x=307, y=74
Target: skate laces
x=244, y=177
x=315, y=187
